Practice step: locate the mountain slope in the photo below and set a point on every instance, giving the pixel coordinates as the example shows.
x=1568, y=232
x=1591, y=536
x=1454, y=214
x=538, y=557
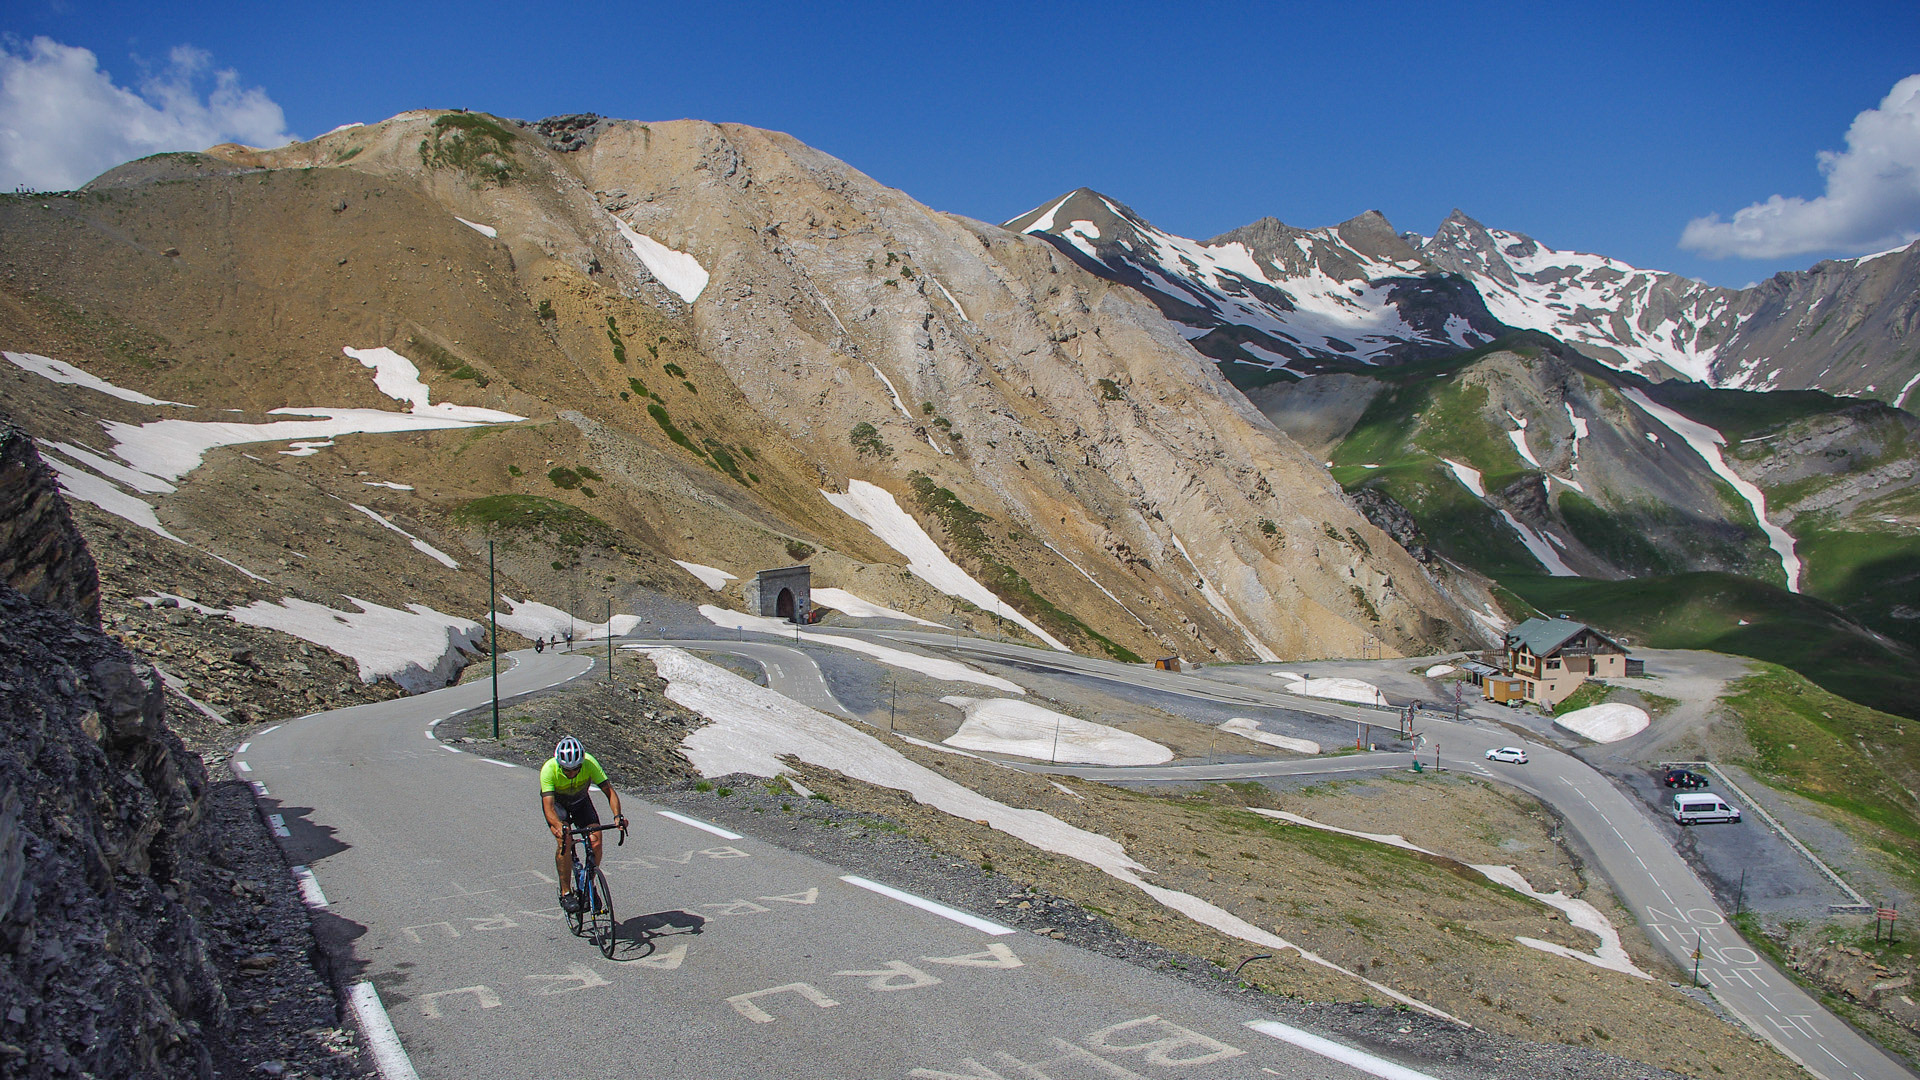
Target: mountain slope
x=1844, y=326
x=1273, y=297
x=710, y=329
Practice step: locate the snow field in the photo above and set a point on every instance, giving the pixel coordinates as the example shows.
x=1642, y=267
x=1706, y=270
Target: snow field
x=1250, y=729
x=1707, y=443
x=931, y=666
x=1605, y=723
x=1438, y=670
x=398, y=378
x=1336, y=689
x=531, y=619
x=848, y=604
x=711, y=576
x=753, y=728
x=874, y=507
x=419, y=648
x=680, y=272
x=487, y=231
x=1468, y=476
x=1580, y=914
x=1000, y=726
x=1538, y=546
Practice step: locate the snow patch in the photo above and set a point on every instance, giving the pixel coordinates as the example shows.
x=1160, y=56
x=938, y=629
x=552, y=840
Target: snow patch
x=388, y=484
x=1218, y=602
x=77, y=483
x=398, y=378
x=419, y=545
x=1335, y=689
x=1605, y=723
x=1900, y=399
x=848, y=604
x=1468, y=476
x=487, y=231
x=891, y=392
x=1000, y=726
x=874, y=507
x=680, y=272
x=932, y=666
x=133, y=478
x=1519, y=438
x=1438, y=670
x=419, y=648
x=1538, y=546
x=531, y=619
x=307, y=449
x=711, y=576
x=62, y=372
x=1249, y=729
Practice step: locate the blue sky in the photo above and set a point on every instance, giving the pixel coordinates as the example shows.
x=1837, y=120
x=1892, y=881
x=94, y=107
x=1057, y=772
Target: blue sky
x=1604, y=127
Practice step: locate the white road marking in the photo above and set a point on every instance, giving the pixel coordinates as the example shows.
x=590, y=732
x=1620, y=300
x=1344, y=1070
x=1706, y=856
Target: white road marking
x=264, y=731
x=279, y=823
x=1345, y=1055
x=388, y=1054
x=310, y=892
x=506, y=764
x=243, y=766
x=259, y=788
x=429, y=732
x=242, y=748
x=1643, y=864
x=450, y=749
x=963, y=918
x=698, y=824
x=1763, y=999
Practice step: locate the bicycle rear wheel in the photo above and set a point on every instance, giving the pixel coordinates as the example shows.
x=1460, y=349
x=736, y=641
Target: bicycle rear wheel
x=602, y=924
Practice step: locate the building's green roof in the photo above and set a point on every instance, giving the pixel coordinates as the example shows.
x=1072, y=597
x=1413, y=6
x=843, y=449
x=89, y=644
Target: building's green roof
x=1541, y=636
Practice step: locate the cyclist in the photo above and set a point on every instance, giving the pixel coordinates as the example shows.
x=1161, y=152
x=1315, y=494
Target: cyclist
x=564, y=797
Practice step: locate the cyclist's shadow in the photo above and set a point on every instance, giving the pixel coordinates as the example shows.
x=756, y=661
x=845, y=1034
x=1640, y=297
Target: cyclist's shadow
x=640, y=937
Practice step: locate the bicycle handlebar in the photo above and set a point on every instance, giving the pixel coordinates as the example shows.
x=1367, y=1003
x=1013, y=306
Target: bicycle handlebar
x=585, y=829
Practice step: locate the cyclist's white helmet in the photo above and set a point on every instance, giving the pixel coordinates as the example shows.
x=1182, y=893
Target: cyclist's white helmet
x=569, y=753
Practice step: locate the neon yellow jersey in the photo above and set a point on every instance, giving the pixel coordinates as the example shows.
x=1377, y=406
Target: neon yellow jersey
x=552, y=779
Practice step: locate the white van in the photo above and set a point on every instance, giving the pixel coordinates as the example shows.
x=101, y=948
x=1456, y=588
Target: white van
x=1703, y=807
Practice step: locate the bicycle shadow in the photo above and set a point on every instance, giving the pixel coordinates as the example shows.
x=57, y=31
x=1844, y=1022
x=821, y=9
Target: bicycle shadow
x=640, y=937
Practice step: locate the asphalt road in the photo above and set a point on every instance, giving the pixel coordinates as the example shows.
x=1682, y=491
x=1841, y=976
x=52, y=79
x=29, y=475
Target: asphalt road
x=1677, y=910
x=740, y=958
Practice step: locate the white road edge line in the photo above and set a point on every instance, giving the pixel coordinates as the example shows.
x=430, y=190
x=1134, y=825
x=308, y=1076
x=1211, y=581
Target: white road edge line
x=984, y=925
x=388, y=1054
x=243, y=748
x=503, y=764
x=698, y=824
x=243, y=766
x=310, y=892
x=1345, y=1055
x=264, y=731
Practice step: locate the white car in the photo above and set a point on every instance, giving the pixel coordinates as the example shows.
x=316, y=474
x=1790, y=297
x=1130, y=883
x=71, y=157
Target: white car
x=1508, y=753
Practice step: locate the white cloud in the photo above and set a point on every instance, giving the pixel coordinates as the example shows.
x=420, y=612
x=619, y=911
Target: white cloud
x=63, y=121
x=1872, y=201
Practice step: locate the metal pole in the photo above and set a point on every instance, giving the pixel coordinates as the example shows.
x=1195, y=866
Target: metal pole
x=1698, y=941
x=493, y=639
x=1053, y=758
x=609, y=639
x=1740, y=899
x=893, y=684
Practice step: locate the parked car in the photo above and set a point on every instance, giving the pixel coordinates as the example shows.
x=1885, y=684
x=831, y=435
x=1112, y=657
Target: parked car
x=1700, y=809
x=1682, y=778
x=1508, y=753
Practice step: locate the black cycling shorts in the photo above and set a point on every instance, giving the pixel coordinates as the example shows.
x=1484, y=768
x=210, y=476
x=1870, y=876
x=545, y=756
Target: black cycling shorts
x=576, y=811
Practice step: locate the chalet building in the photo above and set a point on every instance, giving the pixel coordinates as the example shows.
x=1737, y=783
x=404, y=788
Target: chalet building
x=1548, y=659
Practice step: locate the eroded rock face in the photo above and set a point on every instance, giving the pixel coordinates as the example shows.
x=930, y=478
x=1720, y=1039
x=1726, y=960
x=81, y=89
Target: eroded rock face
x=102, y=966
x=40, y=552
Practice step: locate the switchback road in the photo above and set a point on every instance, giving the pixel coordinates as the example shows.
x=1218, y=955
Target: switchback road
x=433, y=872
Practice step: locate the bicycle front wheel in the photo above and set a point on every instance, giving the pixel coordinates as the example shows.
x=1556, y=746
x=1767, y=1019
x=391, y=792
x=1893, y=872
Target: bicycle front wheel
x=602, y=925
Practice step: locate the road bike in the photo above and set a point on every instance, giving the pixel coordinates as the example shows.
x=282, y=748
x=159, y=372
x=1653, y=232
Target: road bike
x=593, y=915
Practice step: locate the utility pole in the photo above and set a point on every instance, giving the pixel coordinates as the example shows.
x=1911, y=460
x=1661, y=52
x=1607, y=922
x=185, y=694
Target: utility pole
x=1053, y=758
x=493, y=639
x=1698, y=942
x=609, y=639
x=893, y=706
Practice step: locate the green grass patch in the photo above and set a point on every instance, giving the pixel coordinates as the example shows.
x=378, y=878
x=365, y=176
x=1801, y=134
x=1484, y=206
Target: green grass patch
x=867, y=442
x=473, y=144
x=569, y=525
x=1860, y=762
x=619, y=346
x=1589, y=693
x=680, y=439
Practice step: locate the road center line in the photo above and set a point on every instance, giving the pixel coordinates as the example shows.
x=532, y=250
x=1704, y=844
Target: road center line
x=388, y=1054
x=698, y=824
x=963, y=918
x=1345, y=1055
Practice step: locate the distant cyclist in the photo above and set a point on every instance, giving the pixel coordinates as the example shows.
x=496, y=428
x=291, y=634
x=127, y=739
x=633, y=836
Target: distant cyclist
x=564, y=781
